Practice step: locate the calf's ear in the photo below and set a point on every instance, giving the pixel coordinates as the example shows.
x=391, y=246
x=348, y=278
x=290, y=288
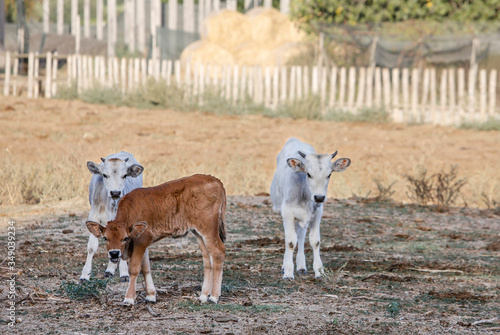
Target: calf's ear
x=95, y=229
x=134, y=170
x=341, y=164
x=94, y=168
x=296, y=164
x=137, y=229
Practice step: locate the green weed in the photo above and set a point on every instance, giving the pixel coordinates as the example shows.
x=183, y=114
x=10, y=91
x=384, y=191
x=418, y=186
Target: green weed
x=92, y=288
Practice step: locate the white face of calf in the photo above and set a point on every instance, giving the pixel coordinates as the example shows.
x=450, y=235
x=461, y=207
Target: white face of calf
x=114, y=171
x=318, y=169
x=117, y=237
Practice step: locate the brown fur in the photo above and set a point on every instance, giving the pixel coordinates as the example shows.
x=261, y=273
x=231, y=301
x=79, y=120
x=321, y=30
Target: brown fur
x=172, y=209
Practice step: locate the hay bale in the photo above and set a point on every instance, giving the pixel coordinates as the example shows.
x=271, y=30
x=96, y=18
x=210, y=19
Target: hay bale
x=228, y=29
x=207, y=53
x=272, y=28
x=262, y=37
x=253, y=54
x=285, y=53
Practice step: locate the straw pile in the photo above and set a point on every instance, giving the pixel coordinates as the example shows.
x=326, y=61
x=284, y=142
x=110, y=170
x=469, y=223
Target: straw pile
x=262, y=37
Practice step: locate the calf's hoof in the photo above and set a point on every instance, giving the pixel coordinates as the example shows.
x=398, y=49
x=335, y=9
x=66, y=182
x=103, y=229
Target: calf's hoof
x=213, y=300
x=83, y=280
x=108, y=274
x=128, y=301
x=286, y=278
x=151, y=298
x=302, y=272
x=203, y=298
x=124, y=279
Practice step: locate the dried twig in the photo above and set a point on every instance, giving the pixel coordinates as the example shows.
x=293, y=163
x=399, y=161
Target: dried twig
x=437, y=271
x=153, y=313
x=480, y=322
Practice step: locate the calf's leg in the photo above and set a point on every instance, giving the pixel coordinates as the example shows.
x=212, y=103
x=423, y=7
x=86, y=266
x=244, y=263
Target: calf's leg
x=301, y=257
x=124, y=271
x=314, y=239
x=134, y=269
x=207, y=268
x=217, y=251
x=290, y=243
x=92, y=246
x=148, y=279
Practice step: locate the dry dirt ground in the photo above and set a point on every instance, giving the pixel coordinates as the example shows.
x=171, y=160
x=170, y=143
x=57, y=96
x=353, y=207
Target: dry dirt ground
x=391, y=267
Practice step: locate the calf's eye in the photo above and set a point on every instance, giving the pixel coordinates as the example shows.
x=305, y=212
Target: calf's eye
x=104, y=238
x=125, y=239
x=125, y=176
x=329, y=176
x=105, y=175
x=309, y=176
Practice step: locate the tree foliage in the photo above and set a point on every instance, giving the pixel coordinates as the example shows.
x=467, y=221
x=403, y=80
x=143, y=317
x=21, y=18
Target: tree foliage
x=353, y=12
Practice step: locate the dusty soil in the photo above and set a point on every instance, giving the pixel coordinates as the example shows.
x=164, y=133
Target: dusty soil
x=391, y=268
x=45, y=145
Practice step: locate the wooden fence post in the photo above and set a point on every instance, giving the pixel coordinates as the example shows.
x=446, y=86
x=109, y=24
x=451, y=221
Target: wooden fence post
x=361, y=88
x=177, y=67
x=351, y=89
x=386, y=86
x=243, y=85
x=99, y=19
x=306, y=86
x=48, y=75
x=443, y=96
x=86, y=18
x=7, y=74
x=343, y=73
x=322, y=93
x=36, y=87
x=378, y=87
x=492, y=92
x=15, y=76
x=46, y=16
x=369, y=87
x=283, y=83
x=451, y=106
x=483, y=95
x=299, y=82
x=396, y=114
x=236, y=81
x=293, y=73
x=472, y=92
x=406, y=93
x=141, y=22
x=276, y=97
x=333, y=87
x=55, y=65
x=60, y=17
x=425, y=96
x=31, y=70
x=416, y=116
x=267, y=86
x=461, y=94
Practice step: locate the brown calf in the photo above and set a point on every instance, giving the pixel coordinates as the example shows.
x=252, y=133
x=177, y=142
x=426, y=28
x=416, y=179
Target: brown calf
x=194, y=204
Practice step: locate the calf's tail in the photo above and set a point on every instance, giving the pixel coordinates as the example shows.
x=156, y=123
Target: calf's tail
x=222, y=213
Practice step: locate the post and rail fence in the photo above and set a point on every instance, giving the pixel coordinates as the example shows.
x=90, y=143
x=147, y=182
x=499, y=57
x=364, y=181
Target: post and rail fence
x=448, y=96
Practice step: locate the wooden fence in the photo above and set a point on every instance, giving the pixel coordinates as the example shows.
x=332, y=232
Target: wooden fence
x=448, y=96
x=135, y=19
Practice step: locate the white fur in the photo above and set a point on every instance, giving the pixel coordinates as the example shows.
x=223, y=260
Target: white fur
x=294, y=190
x=103, y=208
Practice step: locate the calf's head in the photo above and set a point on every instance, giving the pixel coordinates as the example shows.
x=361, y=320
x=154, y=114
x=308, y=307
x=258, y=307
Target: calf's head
x=317, y=170
x=117, y=237
x=114, y=171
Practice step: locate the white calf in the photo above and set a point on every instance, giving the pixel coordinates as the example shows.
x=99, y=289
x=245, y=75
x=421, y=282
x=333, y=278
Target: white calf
x=117, y=175
x=298, y=191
